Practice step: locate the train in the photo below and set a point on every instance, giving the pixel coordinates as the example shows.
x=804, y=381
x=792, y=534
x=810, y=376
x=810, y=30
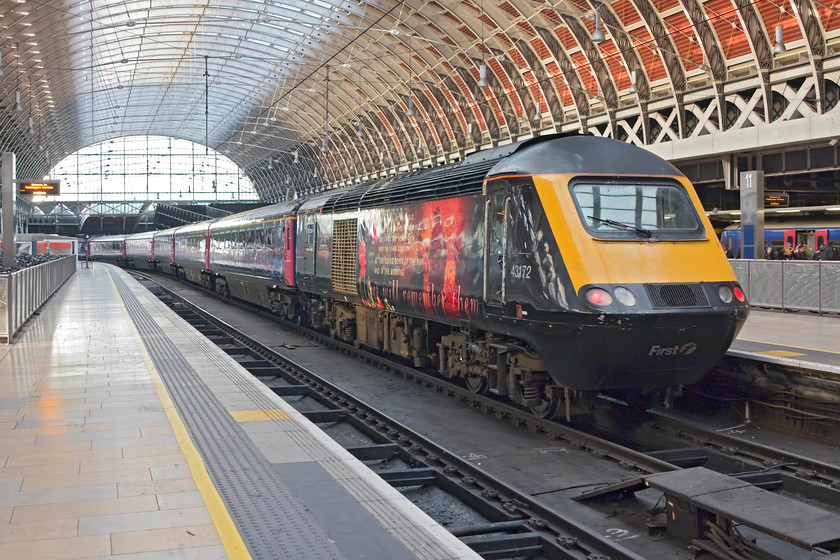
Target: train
x=813, y=232
x=544, y=271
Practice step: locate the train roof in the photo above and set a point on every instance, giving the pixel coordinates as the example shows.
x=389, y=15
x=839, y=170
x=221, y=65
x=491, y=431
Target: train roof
x=582, y=154
x=193, y=228
x=555, y=153
x=165, y=232
x=107, y=238
x=142, y=235
x=257, y=215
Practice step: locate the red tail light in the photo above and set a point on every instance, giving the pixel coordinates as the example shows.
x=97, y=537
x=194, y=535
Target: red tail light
x=739, y=294
x=599, y=297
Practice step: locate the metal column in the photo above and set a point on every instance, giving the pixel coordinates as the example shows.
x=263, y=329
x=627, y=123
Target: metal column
x=752, y=215
x=8, y=199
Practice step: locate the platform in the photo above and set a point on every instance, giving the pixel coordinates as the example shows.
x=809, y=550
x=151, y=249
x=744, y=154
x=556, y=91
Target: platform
x=125, y=434
x=801, y=340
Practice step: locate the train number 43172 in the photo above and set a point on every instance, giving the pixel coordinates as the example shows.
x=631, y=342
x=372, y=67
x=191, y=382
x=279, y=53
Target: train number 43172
x=520, y=271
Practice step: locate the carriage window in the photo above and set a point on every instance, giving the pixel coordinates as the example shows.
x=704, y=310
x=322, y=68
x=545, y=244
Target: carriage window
x=623, y=210
x=310, y=235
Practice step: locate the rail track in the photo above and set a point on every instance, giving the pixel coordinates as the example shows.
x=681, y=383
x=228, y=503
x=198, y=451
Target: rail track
x=514, y=523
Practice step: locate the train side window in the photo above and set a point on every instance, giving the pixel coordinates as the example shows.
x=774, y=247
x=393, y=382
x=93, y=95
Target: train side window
x=523, y=230
x=268, y=244
x=310, y=235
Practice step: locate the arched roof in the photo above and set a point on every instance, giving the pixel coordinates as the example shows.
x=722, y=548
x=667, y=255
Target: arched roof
x=250, y=77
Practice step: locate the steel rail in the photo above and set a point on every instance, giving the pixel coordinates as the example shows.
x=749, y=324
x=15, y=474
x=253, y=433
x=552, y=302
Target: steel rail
x=570, y=538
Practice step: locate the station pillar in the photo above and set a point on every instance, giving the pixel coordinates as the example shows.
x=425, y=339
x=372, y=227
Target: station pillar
x=7, y=176
x=752, y=214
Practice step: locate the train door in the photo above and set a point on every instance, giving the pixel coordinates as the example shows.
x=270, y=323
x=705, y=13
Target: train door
x=306, y=246
x=790, y=237
x=207, y=250
x=820, y=239
x=496, y=212
x=289, y=252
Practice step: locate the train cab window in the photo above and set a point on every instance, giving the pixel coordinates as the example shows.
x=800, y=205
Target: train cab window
x=623, y=210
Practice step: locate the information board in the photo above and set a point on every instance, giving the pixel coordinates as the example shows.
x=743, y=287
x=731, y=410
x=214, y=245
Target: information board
x=776, y=200
x=43, y=188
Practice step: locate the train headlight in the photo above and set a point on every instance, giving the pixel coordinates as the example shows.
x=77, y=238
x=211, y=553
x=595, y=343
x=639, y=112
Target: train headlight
x=739, y=294
x=624, y=296
x=725, y=294
x=599, y=297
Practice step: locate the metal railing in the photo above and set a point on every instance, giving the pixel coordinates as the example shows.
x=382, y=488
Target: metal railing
x=795, y=285
x=23, y=292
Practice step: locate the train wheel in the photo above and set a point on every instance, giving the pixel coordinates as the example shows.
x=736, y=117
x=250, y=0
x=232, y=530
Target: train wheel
x=476, y=384
x=549, y=407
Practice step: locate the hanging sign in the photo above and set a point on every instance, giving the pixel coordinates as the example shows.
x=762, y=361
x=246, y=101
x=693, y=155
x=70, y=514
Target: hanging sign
x=43, y=188
x=776, y=200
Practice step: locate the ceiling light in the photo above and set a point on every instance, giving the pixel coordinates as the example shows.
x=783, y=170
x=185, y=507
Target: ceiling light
x=18, y=106
x=633, y=82
x=482, y=76
x=598, y=34
x=780, y=40
x=410, y=111
x=359, y=132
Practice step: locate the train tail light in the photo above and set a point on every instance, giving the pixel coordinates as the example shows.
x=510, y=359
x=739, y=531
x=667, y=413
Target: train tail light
x=739, y=294
x=599, y=297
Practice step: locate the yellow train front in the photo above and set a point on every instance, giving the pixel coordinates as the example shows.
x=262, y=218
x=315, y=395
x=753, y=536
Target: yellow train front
x=612, y=272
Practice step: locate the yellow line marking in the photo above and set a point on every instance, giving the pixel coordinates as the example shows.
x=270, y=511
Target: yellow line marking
x=788, y=345
x=228, y=534
x=258, y=415
x=781, y=353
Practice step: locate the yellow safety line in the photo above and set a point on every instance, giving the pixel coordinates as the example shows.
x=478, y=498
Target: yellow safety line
x=228, y=534
x=786, y=345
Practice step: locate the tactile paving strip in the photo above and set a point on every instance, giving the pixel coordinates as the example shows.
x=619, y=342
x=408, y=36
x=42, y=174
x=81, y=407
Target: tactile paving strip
x=273, y=524
x=403, y=527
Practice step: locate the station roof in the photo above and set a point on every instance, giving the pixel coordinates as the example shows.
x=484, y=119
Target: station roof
x=396, y=83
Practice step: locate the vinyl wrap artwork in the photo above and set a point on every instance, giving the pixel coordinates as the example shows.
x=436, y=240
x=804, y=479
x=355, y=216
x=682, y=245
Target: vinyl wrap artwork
x=426, y=256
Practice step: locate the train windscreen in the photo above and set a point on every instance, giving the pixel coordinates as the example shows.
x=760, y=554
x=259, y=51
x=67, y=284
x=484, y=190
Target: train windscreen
x=629, y=210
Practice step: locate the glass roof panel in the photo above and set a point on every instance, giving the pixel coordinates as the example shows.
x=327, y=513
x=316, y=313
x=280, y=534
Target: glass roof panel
x=150, y=168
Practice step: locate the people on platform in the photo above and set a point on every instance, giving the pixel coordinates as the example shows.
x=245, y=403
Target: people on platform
x=802, y=253
x=827, y=252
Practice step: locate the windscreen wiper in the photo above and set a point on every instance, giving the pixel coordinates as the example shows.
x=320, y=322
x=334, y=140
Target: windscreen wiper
x=621, y=225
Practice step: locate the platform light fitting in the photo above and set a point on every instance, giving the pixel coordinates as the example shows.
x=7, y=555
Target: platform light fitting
x=538, y=113
x=482, y=76
x=598, y=35
x=359, y=132
x=410, y=111
x=297, y=157
x=1, y=66
x=18, y=106
x=31, y=126
x=325, y=145
x=780, y=40
x=633, y=88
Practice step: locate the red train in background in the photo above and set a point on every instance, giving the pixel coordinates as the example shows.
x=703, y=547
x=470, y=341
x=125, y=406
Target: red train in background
x=544, y=271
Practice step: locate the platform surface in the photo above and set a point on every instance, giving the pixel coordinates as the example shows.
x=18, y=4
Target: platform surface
x=802, y=339
x=125, y=434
